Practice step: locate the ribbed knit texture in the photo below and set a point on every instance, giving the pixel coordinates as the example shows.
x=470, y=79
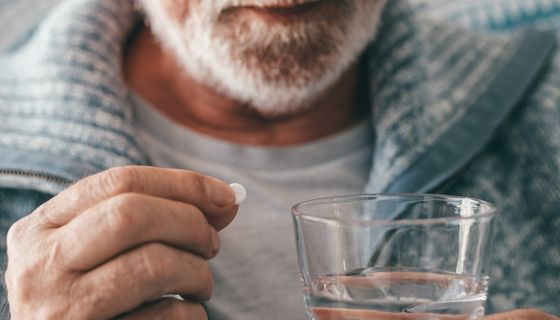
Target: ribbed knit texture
x=69, y=72
x=497, y=15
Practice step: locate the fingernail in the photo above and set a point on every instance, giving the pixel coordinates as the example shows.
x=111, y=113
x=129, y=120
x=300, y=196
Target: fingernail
x=240, y=192
x=215, y=241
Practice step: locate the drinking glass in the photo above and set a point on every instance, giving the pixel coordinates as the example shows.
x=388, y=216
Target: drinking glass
x=394, y=256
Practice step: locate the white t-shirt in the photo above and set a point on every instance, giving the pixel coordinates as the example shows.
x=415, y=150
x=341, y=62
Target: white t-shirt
x=256, y=272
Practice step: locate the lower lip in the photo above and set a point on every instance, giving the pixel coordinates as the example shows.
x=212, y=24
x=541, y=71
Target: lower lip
x=285, y=12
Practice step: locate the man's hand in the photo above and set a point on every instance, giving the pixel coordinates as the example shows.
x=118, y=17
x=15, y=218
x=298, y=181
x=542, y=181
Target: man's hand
x=114, y=243
x=523, y=315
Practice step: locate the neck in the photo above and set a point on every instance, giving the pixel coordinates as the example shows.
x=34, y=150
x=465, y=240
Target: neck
x=164, y=84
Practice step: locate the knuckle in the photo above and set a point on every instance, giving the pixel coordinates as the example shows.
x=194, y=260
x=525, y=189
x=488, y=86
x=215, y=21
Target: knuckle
x=20, y=286
x=21, y=273
x=29, y=275
x=119, y=180
x=47, y=312
x=153, y=261
x=208, y=185
x=201, y=183
x=123, y=212
x=15, y=233
x=19, y=292
x=54, y=312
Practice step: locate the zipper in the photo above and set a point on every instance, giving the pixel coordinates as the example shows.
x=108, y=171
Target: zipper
x=35, y=174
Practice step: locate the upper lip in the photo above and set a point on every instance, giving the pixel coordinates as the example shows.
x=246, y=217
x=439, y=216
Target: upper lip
x=271, y=3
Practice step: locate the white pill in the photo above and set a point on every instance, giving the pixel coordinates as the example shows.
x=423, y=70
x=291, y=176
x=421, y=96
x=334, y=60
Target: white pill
x=240, y=192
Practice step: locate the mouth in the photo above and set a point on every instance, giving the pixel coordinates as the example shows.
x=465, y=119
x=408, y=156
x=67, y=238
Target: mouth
x=279, y=8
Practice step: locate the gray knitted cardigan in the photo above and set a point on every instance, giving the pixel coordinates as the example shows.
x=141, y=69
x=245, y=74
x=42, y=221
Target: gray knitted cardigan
x=454, y=112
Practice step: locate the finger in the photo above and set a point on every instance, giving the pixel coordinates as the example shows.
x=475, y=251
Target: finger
x=168, y=309
x=129, y=220
x=214, y=197
x=524, y=314
x=142, y=275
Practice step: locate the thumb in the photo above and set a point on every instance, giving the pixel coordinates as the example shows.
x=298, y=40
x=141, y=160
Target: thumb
x=221, y=221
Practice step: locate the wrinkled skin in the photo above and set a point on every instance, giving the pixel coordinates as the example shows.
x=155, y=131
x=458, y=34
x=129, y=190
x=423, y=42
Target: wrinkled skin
x=115, y=243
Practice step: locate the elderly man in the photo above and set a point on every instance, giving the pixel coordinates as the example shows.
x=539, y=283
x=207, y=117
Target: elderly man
x=294, y=99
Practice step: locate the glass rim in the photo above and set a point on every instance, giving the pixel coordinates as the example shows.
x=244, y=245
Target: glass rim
x=489, y=211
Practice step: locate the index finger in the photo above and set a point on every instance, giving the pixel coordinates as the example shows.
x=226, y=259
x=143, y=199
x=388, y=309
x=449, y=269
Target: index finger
x=212, y=196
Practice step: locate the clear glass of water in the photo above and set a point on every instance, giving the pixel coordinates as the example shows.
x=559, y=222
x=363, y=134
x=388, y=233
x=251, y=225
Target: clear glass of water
x=394, y=256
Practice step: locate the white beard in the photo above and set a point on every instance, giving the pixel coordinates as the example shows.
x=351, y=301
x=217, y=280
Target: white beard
x=274, y=68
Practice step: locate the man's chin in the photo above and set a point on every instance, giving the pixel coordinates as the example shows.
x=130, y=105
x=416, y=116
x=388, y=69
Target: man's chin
x=277, y=69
